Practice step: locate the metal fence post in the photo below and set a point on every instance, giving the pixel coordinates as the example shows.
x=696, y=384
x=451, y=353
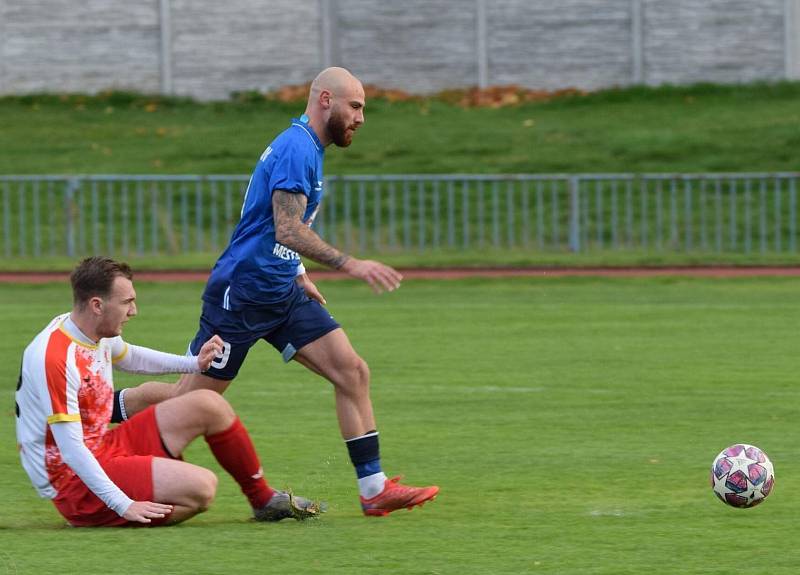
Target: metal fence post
x=6, y=219
x=778, y=211
x=69, y=200
x=574, y=214
x=792, y=215
x=37, y=240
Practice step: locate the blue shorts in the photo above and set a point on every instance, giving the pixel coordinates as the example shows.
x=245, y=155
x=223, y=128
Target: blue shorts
x=287, y=325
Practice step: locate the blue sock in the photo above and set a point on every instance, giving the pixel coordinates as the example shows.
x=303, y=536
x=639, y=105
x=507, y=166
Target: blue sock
x=365, y=455
x=368, y=468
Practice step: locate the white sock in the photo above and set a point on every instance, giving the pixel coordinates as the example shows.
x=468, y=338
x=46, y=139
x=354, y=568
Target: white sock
x=371, y=485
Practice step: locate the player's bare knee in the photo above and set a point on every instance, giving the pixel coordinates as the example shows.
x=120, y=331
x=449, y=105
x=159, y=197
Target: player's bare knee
x=211, y=406
x=362, y=371
x=353, y=377
x=205, y=490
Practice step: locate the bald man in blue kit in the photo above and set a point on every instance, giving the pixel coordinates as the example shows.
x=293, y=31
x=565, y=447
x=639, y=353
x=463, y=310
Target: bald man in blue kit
x=259, y=288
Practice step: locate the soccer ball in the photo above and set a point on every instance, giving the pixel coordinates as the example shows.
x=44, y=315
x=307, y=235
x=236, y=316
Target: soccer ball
x=742, y=476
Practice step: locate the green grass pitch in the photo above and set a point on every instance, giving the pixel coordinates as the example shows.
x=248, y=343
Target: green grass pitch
x=570, y=423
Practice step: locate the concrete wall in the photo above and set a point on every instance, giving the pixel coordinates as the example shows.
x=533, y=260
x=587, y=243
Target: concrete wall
x=208, y=49
x=556, y=44
x=720, y=40
x=220, y=47
x=53, y=45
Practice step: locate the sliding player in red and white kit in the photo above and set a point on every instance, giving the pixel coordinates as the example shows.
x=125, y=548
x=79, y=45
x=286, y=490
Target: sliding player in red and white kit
x=132, y=473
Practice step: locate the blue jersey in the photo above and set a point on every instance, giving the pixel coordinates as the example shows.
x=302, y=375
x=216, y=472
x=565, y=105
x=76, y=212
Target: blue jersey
x=255, y=269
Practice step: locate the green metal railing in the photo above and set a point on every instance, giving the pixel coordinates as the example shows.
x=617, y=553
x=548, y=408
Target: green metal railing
x=121, y=215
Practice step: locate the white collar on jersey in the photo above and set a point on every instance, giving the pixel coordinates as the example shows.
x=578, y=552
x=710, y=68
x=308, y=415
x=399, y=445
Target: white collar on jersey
x=75, y=332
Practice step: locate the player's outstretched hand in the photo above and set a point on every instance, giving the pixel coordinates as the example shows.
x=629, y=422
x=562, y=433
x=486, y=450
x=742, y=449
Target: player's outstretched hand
x=211, y=349
x=311, y=290
x=379, y=276
x=146, y=511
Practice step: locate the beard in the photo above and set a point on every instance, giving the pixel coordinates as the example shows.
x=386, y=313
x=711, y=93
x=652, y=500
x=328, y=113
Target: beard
x=339, y=130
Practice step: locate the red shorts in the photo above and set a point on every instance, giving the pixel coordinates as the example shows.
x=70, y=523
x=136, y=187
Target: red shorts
x=126, y=455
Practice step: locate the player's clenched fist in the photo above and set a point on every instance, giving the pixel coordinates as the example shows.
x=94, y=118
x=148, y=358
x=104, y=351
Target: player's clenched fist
x=214, y=347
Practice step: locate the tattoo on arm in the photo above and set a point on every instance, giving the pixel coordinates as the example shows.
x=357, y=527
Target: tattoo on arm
x=287, y=210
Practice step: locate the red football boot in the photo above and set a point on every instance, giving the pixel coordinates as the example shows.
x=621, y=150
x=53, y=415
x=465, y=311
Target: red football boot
x=397, y=496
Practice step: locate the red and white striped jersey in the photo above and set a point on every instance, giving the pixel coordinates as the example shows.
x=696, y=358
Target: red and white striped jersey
x=64, y=377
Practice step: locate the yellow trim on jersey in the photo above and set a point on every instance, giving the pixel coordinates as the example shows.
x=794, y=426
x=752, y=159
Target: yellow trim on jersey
x=61, y=417
x=122, y=355
x=79, y=342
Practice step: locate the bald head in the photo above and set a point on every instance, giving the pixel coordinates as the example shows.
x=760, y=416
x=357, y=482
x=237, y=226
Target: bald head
x=335, y=80
x=335, y=106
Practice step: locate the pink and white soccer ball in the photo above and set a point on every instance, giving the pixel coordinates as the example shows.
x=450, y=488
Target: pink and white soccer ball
x=742, y=475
